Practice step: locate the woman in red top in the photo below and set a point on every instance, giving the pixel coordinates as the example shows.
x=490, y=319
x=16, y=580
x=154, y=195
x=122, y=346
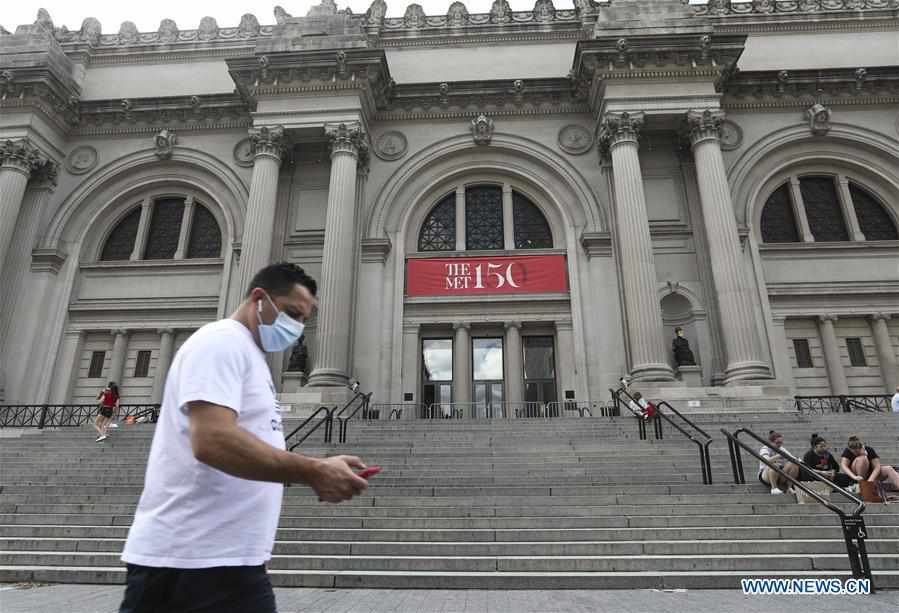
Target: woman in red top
x=109, y=401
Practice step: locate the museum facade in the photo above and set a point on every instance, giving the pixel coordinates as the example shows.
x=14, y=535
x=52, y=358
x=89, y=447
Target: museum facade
x=500, y=209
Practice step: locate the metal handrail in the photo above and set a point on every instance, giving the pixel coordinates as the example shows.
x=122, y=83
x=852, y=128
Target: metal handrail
x=343, y=421
x=63, y=415
x=853, y=524
x=873, y=403
x=328, y=421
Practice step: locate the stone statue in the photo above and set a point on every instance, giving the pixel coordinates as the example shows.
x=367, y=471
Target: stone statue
x=818, y=117
x=376, y=12
x=249, y=26
x=91, y=31
x=165, y=144
x=414, y=16
x=168, y=31
x=683, y=355
x=482, y=130
x=128, y=33
x=298, y=356
x=281, y=16
x=325, y=9
x=500, y=12
x=208, y=29
x=457, y=15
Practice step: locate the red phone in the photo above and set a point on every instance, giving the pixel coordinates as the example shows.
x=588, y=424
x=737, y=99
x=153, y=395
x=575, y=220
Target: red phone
x=371, y=471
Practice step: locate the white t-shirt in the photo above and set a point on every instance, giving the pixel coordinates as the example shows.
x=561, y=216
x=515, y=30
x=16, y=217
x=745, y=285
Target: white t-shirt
x=772, y=456
x=895, y=402
x=191, y=515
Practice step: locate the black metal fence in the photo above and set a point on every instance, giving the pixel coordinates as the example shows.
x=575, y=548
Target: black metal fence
x=874, y=403
x=68, y=415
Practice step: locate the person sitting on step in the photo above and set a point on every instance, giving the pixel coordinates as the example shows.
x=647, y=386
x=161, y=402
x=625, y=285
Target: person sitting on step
x=822, y=462
x=861, y=463
x=776, y=454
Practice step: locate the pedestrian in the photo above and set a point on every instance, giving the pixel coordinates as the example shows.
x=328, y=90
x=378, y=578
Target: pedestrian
x=895, y=401
x=109, y=403
x=206, y=521
x=777, y=454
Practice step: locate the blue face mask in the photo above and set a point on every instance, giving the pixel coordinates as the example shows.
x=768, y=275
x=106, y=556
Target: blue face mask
x=281, y=333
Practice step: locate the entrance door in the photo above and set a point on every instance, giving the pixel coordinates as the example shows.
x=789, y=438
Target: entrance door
x=437, y=378
x=540, y=377
x=487, y=372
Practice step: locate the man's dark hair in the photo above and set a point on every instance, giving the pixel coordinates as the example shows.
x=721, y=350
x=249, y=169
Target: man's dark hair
x=278, y=279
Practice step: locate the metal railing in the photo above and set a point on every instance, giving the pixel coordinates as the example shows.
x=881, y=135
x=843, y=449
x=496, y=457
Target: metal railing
x=327, y=421
x=698, y=436
x=393, y=410
x=853, y=524
x=363, y=405
x=874, y=403
x=68, y=415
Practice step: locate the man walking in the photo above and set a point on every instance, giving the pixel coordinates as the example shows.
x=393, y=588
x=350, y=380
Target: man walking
x=206, y=521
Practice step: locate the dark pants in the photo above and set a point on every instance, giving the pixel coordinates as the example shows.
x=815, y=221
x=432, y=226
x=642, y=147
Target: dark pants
x=223, y=589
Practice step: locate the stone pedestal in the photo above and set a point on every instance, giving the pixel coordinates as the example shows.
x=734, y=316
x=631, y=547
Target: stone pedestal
x=690, y=376
x=292, y=381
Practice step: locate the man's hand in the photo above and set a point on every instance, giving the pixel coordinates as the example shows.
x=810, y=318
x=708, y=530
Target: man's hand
x=334, y=480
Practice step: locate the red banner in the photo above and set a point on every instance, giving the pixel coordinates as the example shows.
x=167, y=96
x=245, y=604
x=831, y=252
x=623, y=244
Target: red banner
x=538, y=274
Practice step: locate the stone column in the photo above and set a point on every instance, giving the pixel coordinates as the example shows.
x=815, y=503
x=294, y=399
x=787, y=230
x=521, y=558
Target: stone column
x=619, y=135
x=805, y=232
x=460, y=218
x=67, y=367
x=411, y=368
x=508, y=218
x=256, y=244
x=514, y=367
x=855, y=232
x=18, y=159
x=163, y=362
x=462, y=363
x=336, y=287
x=835, y=372
x=741, y=343
x=886, y=354
x=119, y=355
x=565, y=359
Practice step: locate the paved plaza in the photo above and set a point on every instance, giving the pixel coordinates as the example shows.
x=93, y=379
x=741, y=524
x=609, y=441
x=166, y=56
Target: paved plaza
x=105, y=599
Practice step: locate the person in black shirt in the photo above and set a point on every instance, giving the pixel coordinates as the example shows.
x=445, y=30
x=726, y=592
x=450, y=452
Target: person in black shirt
x=861, y=462
x=819, y=459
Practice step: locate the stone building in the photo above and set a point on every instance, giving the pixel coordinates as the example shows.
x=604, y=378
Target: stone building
x=502, y=207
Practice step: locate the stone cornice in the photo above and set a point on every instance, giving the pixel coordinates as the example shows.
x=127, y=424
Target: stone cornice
x=375, y=249
x=597, y=244
x=39, y=86
x=779, y=11
x=801, y=88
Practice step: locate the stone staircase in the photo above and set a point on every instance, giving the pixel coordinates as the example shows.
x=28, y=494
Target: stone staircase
x=564, y=503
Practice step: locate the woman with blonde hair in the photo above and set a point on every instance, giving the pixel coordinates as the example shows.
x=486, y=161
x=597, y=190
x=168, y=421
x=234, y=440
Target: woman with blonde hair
x=861, y=463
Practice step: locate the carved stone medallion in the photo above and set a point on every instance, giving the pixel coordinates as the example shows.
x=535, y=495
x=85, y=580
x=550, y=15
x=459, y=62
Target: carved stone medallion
x=731, y=135
x=243, y=153
x=391, y=146
x=575, y=140
x=81, y=160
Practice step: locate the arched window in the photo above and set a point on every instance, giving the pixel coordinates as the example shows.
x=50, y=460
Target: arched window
x=825, y=202
x=486, y=207
x=164, y=238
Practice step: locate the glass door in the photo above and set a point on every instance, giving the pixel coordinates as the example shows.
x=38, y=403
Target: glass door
x=540, y=377
x=487, y=372
x=437, y=378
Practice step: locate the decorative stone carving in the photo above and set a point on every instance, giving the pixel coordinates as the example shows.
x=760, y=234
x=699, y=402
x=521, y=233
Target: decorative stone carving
x=585, y=7
x=208, y=29
x=22, y=155
x=244, y=151
x=375, y=14
x=43, y=22
x=731, y=135
x=346, y=139
x=91, y=30
x=544, y=10
x=619, y=127
x=457, y=15
x=704, y=125
x=680, y=346
x=860, y=75
x=391, y=145
x=281, y=16
x=168, y=31
x=444, y=94
x=327, y=8
x=6, y=83
x=45, y=176
x=518, y=91
x=575, y=139
x=719, y=7
x=763, y=6
x=298, y=357
x=482, y=130
x=127, y=33
x=249, y=26
x=818, y=117
x=500, y=12
x=268, y=141
x=414, y=17
x=81, y=160
x=165, y=144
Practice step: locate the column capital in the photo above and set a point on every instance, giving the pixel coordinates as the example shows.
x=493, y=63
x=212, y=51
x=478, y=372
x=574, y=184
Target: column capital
x=461, y=324
x=704, y=125
x=120, y=332
x=512, y=324
x=617, y=128
x=45, y=177
x=879, y=316
x=347, y=138
x=831, y=317
x=21, y=155
x=269, y=142
x=164, y=331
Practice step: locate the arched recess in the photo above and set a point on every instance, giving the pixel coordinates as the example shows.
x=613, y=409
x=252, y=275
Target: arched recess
x=80, y=223
x=682, y=307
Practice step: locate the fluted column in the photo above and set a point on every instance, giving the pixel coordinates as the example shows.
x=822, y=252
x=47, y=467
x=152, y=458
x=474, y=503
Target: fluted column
x=119, y=354
x=462, y=363
x=411, y=368
x=835, y=372
x=336, y=288
x=18, y=159
x=256, y=244
x=163, y=362
x=619, y=135
x=67, y=366
x=514, y=367
x=742, y=346
x=886, y=354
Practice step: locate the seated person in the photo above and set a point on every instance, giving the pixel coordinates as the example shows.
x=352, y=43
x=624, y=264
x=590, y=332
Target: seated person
x=641, y=407
x=861, y=462
x=821, y=461
x=776, y=453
